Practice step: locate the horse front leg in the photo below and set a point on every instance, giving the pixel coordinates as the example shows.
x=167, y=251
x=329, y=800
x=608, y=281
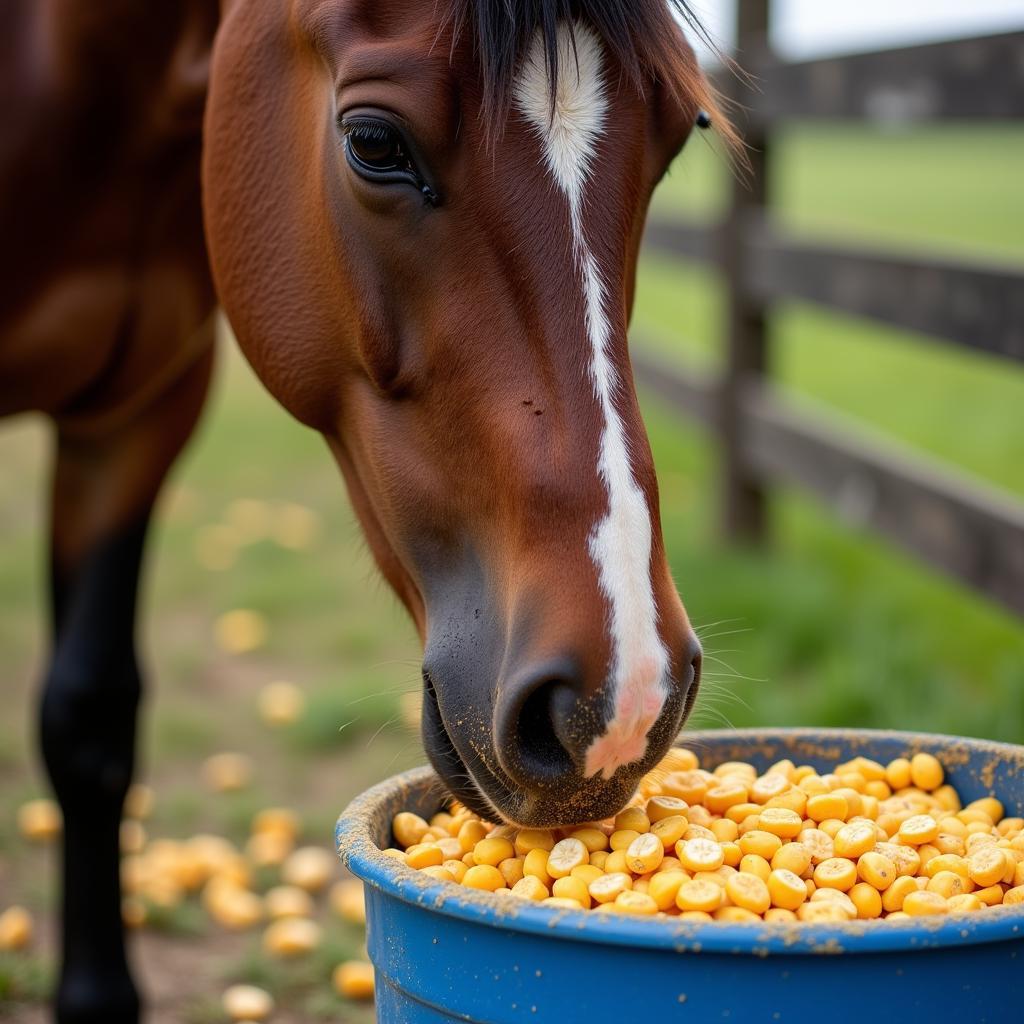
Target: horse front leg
x=104, y=488
x=87, y=721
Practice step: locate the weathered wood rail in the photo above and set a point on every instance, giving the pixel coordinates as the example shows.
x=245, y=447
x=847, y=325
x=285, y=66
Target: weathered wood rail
x=955, y=522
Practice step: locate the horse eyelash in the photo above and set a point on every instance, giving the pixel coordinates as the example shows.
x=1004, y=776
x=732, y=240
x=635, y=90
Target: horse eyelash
x=367, y=129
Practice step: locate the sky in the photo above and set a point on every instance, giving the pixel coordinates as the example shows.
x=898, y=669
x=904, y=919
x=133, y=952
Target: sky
x=808, y=28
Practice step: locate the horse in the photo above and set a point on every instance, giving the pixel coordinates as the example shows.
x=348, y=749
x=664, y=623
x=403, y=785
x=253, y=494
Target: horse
x=422, y=219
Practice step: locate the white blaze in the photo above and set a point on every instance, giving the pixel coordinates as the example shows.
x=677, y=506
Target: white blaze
x=620, y=544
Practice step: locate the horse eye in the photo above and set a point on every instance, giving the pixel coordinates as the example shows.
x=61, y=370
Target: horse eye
x=377, y=152
x=376, y=146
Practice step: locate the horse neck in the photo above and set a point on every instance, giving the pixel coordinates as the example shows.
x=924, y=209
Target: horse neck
x=128, y=55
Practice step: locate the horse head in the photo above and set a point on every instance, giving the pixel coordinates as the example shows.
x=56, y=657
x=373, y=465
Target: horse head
x=424, y=221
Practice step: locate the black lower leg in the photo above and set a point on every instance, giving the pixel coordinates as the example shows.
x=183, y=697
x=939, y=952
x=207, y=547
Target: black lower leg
x=88, y=739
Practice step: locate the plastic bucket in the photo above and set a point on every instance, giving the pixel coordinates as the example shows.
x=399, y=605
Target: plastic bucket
x=445, y=953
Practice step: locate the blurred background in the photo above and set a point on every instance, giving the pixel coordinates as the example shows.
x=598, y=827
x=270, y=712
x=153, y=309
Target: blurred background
x=821, y=622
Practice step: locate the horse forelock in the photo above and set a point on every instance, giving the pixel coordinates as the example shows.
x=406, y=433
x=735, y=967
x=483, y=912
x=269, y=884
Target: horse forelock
x=643, y=36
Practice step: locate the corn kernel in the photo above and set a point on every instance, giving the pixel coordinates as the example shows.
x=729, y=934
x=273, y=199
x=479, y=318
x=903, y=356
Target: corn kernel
x=616, y=862
x=946, y=883
x=439, y=872
x=763, y=844
x=906, y=859
x=947, y=862
x=835, y=896
x=621, y=838
x=855, y=839
x=572, y=888
x=749, y=891
x=918, y=830
x=823, y=806
x=835, y=873
x=530, y=887
x=986, y=865
x=291, y=937
x=637, y=903
x=787, y=890
x=592, y=838
x=511, y=869
x=247, y=1003
x=822, y=912
x=678, y=759
x=408, y=828
x=699, y=854
x=353, y=979
x=606, y=888
x=699, y=894
x=423, y=855
x=493, y=851
x=470, y=833
x=457, y=868
x=645, y=854
x=926, y=772
x=484, y=876
x=735, y=915
x=564, y=903
x=720, y=798
x=731, y=854
x=586, y=872
x=867, y=900
x=897, y=773
x=893, y=897
x=291, y=901
x=819, y=844
x=877, y=870
x=1014, y=897
x=768, y=785
x=536, y=863
x=40, y=821
x=740, y=812
x=792, y=856
x=687, y=785
x=671, y=829
x=15, y=929
x=754, y=864
x=780, y=821
x=924, y=903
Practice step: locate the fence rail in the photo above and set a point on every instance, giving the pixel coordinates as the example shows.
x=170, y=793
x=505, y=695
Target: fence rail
x=969, y=529
x=966, y=79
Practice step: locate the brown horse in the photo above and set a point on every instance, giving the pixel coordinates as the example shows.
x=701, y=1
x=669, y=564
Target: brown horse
x=423, y=219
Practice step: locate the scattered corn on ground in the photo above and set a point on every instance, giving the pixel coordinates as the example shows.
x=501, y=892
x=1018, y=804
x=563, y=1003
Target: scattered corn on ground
x=159, y=874
x=865, y=840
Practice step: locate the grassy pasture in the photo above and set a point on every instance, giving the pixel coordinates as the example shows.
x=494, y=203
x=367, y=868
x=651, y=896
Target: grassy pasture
x=828, y=626
x=831, y=626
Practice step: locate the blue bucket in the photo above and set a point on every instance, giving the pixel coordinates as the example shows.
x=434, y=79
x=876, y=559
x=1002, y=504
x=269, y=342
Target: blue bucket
x=445, y=953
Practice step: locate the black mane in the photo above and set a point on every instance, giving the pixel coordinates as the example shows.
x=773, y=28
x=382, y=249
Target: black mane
x=643, y=35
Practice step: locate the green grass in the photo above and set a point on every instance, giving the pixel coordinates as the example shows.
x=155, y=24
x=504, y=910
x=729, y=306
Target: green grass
x=828, y=625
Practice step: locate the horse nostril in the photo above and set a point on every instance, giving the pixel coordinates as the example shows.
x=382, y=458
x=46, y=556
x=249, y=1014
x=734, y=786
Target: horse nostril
x=531, y=727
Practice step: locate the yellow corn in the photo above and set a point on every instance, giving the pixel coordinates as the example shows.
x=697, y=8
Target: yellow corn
x=787, y=889
x=353, y=979
x=789, y=844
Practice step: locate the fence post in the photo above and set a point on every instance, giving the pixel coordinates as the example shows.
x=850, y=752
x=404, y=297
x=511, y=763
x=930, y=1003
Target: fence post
x=746, y=342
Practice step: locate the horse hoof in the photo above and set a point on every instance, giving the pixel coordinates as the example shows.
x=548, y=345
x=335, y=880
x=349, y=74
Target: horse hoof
x=97, y=1000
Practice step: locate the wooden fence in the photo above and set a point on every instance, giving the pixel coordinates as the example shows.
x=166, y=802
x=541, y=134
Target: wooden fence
x=971, y=530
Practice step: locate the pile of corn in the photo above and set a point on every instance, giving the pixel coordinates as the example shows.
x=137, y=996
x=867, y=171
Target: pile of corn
x=863, y=841
x=271, y=883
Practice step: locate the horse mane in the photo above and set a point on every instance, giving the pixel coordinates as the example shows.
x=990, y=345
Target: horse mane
x=643, y=35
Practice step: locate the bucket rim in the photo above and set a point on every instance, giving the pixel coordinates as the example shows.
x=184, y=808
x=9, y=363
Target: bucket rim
x=369, y=812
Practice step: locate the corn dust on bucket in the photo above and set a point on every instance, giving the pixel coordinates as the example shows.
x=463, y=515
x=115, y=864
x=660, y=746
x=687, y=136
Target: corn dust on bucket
x=445, y=951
